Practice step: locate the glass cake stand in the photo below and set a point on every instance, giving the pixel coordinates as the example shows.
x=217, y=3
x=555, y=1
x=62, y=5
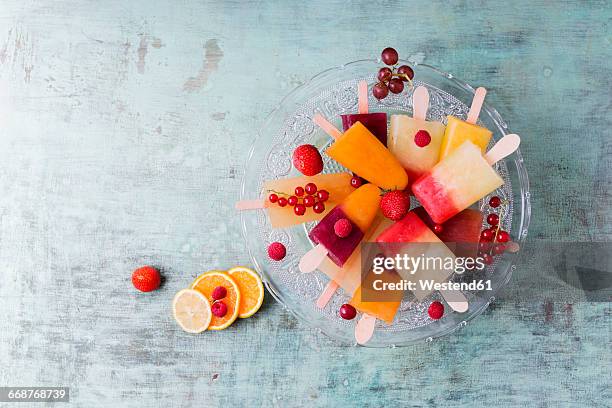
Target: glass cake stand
x=334, y=92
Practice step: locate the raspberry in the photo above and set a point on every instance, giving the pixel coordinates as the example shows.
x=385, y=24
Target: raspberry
x=146, y=279
x=219, y=309
x=277, y=251
x=343, y=228
x=307, y=159
x=436, y=310
x=422, y=138
x=219, y=293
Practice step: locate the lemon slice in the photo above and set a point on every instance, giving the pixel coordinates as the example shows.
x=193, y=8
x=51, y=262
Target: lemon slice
x=251, y=290
x=191, y=311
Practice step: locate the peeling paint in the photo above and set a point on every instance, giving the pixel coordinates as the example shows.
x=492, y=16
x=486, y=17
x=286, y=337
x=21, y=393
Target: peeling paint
x=142, y=54
x=212, y=57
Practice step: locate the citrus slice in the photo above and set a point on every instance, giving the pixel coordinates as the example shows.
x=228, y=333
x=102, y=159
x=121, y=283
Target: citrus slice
x=251, y=290
x=206, y=284
x=191, y=310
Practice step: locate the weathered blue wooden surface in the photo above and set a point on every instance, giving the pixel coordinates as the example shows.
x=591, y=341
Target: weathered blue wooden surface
x=124, y=127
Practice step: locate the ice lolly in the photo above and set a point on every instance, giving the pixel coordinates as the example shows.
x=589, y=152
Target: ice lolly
x=338, y=185
x=359, y=208
x=461, y=233
x=461, y=179
x=412, y=237
x=408, y=137
x=375, y=122
x=348, y=277
x=360, y=151
x=383, y=310
x=458, y=131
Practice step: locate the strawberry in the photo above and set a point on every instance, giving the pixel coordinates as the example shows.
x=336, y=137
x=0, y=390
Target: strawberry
x=395, y=204
x=307, y=159
x=146, y=279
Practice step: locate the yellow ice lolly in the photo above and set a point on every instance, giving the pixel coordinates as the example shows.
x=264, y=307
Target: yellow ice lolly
x=458, y=131
x=338, y=186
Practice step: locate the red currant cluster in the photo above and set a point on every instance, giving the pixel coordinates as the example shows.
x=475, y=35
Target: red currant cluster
x=303, y=198
x=493, y=240
x=391, y=79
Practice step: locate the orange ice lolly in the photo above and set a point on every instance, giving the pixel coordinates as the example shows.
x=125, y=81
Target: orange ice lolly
x=361, y=152
x=383, y=310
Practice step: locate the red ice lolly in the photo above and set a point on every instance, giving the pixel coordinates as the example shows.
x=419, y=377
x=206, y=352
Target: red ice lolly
x=374, y=122
x=359, y=208
x=462, y=231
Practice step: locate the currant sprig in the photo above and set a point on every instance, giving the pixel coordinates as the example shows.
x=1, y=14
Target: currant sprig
x=308, y=196
x=493, y=239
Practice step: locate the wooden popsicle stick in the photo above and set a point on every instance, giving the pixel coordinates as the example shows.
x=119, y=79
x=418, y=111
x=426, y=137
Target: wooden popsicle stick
x=364, y=329
x=456, y=300
x=362, y=104
x=250, y=205
x=420, y=102
x=479, y=96
x=312, y=259
x=326, y=126
x=327, y=293
x=505, y=147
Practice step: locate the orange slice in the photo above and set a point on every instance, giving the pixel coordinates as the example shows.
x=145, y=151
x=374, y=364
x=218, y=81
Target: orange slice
x=191, y=311
x=206, y=283
x=251, y=290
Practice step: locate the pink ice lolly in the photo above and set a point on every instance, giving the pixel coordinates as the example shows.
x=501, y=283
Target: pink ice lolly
x=411, y=229
x=456, y=182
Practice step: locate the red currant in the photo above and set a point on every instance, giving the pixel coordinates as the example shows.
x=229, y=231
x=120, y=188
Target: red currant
x=309, y=201
x=484, y=246
x=503, y=236
x=273, y=198
x=293, y=200
x=495, y=201
x=347, y=312
x=499, y=249
x=487, y=259
x=299, y=191
x=493, y=219
x=282, y=202
x=322, y=195
x=299, y=209
x=438, y=229
x=310, y=188
x=487, y=235
x=356, y=181
x=318, y=208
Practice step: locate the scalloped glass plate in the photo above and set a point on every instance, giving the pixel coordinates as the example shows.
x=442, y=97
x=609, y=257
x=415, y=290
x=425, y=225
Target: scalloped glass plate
x=334, y=92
